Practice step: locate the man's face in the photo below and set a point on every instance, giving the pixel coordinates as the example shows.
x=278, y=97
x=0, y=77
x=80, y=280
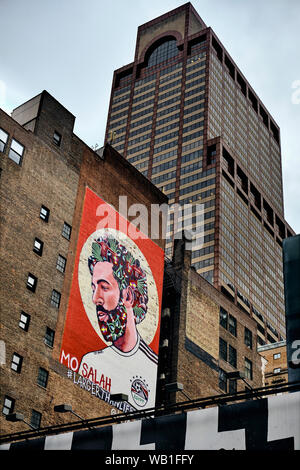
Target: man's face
x=111, y=312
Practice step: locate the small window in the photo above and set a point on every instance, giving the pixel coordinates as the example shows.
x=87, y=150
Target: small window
x=232, y=356
x=277, y=356
x=3, y=139
x=61, y=263
x=223, y=349
x=38, y=246
x=31, y=282
x=66, y=231
x=36, y=418
x=248, y=338
x=232, y=325
x=222, y=380
x=248, y=369
x=49, y=337
x=16, y=363
x=232, y=386
x=42, y=378
x=223, y=317
x=8, y=405
x=57, y=138
x=24, y=321
x=277, y=370
x=16, y=151
x=44, y=213
x=55, y=298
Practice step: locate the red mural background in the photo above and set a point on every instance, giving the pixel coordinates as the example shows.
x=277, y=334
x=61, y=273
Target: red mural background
x=79, y=335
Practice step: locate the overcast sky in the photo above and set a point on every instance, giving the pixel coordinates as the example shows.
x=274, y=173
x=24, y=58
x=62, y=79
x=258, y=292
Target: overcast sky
x=71, y=48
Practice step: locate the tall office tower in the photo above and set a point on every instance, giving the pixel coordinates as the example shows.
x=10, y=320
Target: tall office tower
x=184, y=114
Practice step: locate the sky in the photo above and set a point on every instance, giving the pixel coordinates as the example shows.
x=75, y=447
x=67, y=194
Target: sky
x=72, y=47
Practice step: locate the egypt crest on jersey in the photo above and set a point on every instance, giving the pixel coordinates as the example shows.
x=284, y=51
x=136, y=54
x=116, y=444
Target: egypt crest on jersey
x=132, y=373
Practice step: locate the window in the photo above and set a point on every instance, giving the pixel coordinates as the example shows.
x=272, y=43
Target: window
x=35, y=420
x=61, y=263
x=270, y=338
x=222, y=380
x=16, y=151
x=57, y=138
x=223, y=349
x=232, y=386
x=277, y=370
x=8, y=405
x=44, y=213
x=38, y=246
x=24, y=321
x=227, y=352
x=3, y=140
x=223, y=317
x=66, y=231
x=277, y=356
x=232, y=356
x=31, y=282
x=55, y=298
x=49, y=337
x=248, y=369
x=42, y=378
x=16, y=363
x=164, y=51
x=228, y=321
x=232, y=325
x=248, y=338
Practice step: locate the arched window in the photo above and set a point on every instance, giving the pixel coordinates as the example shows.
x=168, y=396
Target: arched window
x=164, y=51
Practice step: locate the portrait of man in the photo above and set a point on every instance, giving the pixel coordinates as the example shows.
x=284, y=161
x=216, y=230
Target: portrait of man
x=110, y=337
x=119, y=293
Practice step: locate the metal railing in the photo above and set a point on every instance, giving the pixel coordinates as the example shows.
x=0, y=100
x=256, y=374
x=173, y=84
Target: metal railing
x=167, y=409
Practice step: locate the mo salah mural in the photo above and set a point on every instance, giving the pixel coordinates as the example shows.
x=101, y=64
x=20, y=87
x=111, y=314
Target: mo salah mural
x=111, y=333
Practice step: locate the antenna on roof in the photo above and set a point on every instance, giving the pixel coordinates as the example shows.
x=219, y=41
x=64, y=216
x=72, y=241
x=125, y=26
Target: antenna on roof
x=111, y=137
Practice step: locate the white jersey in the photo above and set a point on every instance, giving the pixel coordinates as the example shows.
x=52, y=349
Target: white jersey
x=132, y=373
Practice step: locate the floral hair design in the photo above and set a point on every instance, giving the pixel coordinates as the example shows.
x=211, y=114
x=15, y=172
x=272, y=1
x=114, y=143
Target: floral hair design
x=126, y=270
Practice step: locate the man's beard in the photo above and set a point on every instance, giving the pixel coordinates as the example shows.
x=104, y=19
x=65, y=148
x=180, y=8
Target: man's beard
x=113, y=327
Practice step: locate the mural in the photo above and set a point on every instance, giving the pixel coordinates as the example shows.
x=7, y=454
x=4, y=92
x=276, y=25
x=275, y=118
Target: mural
x=111, y=333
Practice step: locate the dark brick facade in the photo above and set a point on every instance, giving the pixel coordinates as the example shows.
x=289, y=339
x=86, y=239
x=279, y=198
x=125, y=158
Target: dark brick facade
x=191, y=324
x=56, y=177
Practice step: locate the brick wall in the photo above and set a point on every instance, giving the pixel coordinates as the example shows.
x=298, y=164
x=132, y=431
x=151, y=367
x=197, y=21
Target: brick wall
x=276, y=369
x=194, y=358
x=55, y=177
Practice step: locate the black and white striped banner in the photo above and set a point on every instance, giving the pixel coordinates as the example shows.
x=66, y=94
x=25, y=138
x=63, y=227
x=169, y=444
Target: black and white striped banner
x=267, y=424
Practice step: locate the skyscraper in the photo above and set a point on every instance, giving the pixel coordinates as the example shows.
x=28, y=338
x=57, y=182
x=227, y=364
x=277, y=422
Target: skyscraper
x=184, y=114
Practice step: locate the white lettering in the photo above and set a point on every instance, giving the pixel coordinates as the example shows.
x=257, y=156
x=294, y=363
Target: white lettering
x=108, y=216
x=116, y=460
x=65, y=357
x=140, y=222
x=123, y=212
x=156, y=210
x=74, y=363
x=296, y=354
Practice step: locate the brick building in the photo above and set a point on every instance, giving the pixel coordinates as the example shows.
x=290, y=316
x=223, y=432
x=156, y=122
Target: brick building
x=275, y=370
x=204, y=336
x=188, y=123
x=45, y=169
